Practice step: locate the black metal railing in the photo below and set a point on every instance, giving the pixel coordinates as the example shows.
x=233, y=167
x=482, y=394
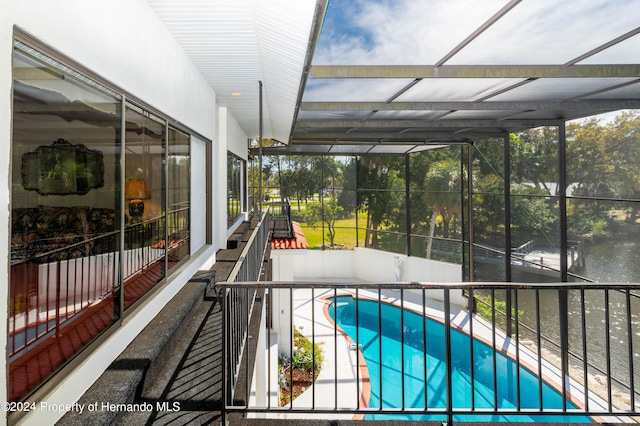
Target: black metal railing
x=280, y=223
x=237, y=303
x=413, y=351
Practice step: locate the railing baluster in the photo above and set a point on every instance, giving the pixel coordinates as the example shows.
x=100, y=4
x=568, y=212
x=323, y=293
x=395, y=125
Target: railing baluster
x=517, y=323
x=313, y=346
x=493, y=349
x=357, y=350
x=564, y=342
x=584, y=350
x=267, y=329
x=245, y=295
x=291, y=349
x=402, y=346
x=539, y=345
x=607, y=341
x=226, y=382
x=424, y=349
x=447, y=344
x=632, y=385
x=380, y=343
x=58, y=299
x=335, y=348
x=472, y=300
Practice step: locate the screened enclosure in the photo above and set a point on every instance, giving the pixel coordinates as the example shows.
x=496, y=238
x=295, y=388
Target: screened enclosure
x=512, y=204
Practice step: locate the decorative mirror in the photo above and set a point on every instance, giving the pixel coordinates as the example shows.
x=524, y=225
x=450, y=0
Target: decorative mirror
x=62, y=169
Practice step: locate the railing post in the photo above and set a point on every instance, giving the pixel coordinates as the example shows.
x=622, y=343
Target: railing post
x=58, y=293
x=447, y=343
x=260, y=150
x=225, y=361
x=470, y=208
x=507, y=227
x=563, y=296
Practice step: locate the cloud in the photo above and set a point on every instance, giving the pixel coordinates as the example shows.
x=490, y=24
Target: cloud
x=397, y=32
x=358, y=89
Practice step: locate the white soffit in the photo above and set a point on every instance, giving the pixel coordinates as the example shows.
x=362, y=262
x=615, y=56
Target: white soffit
x=237, y=43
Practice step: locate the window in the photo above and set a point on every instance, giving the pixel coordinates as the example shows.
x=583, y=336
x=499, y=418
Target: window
x=144, y=190
x=178, y=193
x=235, y=168
x=65, y=215
x=100, y=214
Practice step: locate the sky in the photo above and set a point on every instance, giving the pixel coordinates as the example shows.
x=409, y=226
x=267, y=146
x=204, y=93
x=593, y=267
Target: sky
x=424, y=31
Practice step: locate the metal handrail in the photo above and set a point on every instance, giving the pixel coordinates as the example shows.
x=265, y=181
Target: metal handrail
x=557, y=345
x=587, y=403
x=237, y=304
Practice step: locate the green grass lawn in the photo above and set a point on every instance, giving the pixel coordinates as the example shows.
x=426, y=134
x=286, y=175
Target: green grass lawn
x=345, y=232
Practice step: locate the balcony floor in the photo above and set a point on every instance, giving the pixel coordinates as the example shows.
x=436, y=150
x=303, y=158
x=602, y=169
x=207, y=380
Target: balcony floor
x=190, y=377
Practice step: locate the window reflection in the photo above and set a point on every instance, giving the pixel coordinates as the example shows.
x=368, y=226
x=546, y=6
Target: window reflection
x=145, y=219
x=178, y=196
x=67, y=212
x=64, y=225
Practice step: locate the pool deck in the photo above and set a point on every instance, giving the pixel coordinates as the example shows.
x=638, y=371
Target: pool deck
x=341, y=365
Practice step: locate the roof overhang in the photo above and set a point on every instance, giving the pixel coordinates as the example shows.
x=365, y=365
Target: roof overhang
x=236, y=44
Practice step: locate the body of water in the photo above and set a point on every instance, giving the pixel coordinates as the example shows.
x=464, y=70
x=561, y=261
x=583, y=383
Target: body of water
x=606, y=321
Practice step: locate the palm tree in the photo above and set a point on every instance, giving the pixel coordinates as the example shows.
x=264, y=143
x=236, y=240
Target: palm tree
x=442, y=185
x=374, y=173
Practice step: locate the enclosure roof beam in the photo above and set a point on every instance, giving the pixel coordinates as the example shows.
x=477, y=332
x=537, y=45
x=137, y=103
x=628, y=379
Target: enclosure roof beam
x=475, y=71
x=417, y=124
x=472, y=106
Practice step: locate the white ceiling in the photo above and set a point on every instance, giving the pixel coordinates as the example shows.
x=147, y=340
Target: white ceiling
x=237, y=43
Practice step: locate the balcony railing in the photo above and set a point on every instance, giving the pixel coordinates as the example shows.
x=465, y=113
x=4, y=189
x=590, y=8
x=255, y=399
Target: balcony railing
x=238, y=303
x=414, y=351
x=280, y=223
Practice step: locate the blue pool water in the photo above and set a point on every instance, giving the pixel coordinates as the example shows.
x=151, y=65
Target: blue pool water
x=413, y=391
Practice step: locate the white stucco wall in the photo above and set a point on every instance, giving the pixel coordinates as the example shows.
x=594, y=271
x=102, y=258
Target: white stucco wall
x=379, y=266
x=364, y=264
x=124, y=43
x=358, y=265
x=236, y=138
x=231, y=138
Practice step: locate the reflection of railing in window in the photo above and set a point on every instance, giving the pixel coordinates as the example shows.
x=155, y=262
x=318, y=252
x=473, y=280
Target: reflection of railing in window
x=49, y=289
x=143, y=245
x=233, y=208
x=178, y=232
x=62, y=299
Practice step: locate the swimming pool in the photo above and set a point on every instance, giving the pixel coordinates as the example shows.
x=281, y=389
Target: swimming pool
x=391, y=389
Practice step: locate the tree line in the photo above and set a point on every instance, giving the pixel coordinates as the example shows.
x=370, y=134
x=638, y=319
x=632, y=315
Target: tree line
x=602, y=175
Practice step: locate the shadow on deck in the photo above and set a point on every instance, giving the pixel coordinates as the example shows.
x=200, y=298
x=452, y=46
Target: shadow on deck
x=188, y=386
x=172, y=371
